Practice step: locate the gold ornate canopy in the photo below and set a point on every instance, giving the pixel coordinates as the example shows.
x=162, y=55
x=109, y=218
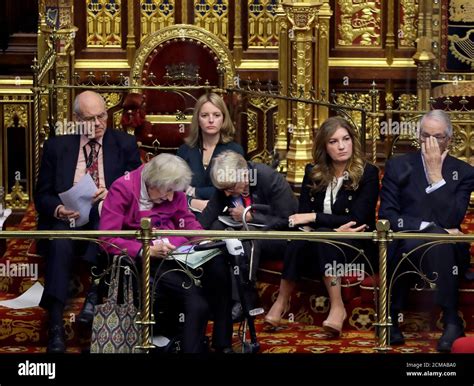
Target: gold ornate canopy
x=183, y=32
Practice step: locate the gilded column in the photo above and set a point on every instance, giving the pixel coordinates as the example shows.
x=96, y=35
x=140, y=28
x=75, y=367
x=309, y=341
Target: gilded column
x=322, y=70
x=390, y=38
x=41, y=29
x=184, y=12
x=302, y=20
x=382, y=322
x=65, y=61
x=424, y=56
x=284, y=63
x=130, y=32
x=238, y=46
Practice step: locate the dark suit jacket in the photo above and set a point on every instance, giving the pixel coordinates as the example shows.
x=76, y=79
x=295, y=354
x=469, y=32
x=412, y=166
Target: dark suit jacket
x=350, y=205
x=201, y=177
x=58, y=166
x=270, y=188
x=405, y=203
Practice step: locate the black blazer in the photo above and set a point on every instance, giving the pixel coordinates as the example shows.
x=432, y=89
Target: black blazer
x=201, y=177
x=350, y=205
x=270, y=188
x=58, y=166
x=404, y=202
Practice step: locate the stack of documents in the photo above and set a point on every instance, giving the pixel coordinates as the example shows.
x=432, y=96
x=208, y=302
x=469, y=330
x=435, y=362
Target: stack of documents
x=193, y=259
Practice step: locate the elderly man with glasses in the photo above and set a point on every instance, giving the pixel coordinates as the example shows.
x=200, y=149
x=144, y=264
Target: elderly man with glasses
x=428, y=191
x=106, y=155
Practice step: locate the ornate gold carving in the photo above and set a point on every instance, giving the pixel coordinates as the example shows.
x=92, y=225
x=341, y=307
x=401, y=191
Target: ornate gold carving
x=361, y=100
x=281, y=141
x=104, y=23
x=264, y=105
x=302, y=21
x=213, y=16
x=424, y=75
x=182, y=74
x=263, y=28
x=155, y=15
x=19, y=109
x=461, y=10
x=359, y=23
x=264, y=157
x=181, y=31
x=117, y=118
x=462, y=145
x=252, y=139
x=112, y=99
x=17, y=199
x=460, y=89
x=409, y=25
x=407, y=102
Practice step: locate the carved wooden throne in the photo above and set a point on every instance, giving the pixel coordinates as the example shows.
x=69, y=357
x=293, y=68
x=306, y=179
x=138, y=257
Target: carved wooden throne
x=177, y=56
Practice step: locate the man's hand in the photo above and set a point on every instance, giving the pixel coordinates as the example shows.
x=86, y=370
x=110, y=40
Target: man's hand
x=348, y=227
x=236, y=213
x=433, y=159
x=199, y=204
x=301, y=218
x=454, y=231
x=100, y=195
x=191, y=191
x=66, y=214
x=161, y=250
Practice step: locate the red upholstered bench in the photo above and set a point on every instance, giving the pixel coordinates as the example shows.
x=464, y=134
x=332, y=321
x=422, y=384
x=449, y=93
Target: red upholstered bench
x=463, y=345
x=310, y=303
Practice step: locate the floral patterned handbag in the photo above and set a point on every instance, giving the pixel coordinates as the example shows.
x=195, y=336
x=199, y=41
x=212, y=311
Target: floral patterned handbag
x=114, y=329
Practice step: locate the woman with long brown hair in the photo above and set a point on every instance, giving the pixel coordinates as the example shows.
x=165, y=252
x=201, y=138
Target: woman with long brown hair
x=339, y=193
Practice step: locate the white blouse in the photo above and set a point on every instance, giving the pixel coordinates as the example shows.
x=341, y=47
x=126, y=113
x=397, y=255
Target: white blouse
x=331, y=194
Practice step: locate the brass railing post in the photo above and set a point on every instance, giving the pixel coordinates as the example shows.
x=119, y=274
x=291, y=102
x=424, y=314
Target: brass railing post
x=146, y=319
x=382, y=325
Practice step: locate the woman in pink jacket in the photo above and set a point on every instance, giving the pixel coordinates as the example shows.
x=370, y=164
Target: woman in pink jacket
x=155, y=190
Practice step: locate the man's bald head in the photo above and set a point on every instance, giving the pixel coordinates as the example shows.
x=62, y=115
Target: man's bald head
x=90, y=107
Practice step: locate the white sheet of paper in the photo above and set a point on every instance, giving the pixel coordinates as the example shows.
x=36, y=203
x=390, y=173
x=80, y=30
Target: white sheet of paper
x=79, y=198
x=6, y=213
x=30, y=298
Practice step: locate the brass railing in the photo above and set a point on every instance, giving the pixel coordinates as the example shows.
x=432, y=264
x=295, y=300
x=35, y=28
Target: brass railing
x=382, y=235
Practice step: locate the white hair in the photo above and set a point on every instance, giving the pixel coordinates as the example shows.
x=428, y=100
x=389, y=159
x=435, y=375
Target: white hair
x=228, y=168
x=440, y=116
x=167, y=172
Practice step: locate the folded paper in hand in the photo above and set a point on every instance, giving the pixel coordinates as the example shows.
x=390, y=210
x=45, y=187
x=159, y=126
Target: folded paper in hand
x=79, y=198
x=194, y=259
x=229, y=221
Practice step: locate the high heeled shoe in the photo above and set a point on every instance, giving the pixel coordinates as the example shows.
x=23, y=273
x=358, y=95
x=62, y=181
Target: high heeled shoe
x=334, y=329
x=275, y=322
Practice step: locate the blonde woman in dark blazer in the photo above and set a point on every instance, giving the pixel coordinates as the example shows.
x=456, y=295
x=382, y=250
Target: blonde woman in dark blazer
x=212, y=132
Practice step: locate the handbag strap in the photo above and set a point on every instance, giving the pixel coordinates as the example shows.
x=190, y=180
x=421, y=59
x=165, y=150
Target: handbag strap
x=114, y=280
x=127, y=289
x=130, y=290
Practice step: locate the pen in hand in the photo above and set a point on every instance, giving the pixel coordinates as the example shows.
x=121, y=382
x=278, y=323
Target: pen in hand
x=225, y=209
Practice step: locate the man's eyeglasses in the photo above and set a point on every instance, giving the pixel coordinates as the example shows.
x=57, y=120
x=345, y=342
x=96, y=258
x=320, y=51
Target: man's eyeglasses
x=102, y=116
x=439, y=138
